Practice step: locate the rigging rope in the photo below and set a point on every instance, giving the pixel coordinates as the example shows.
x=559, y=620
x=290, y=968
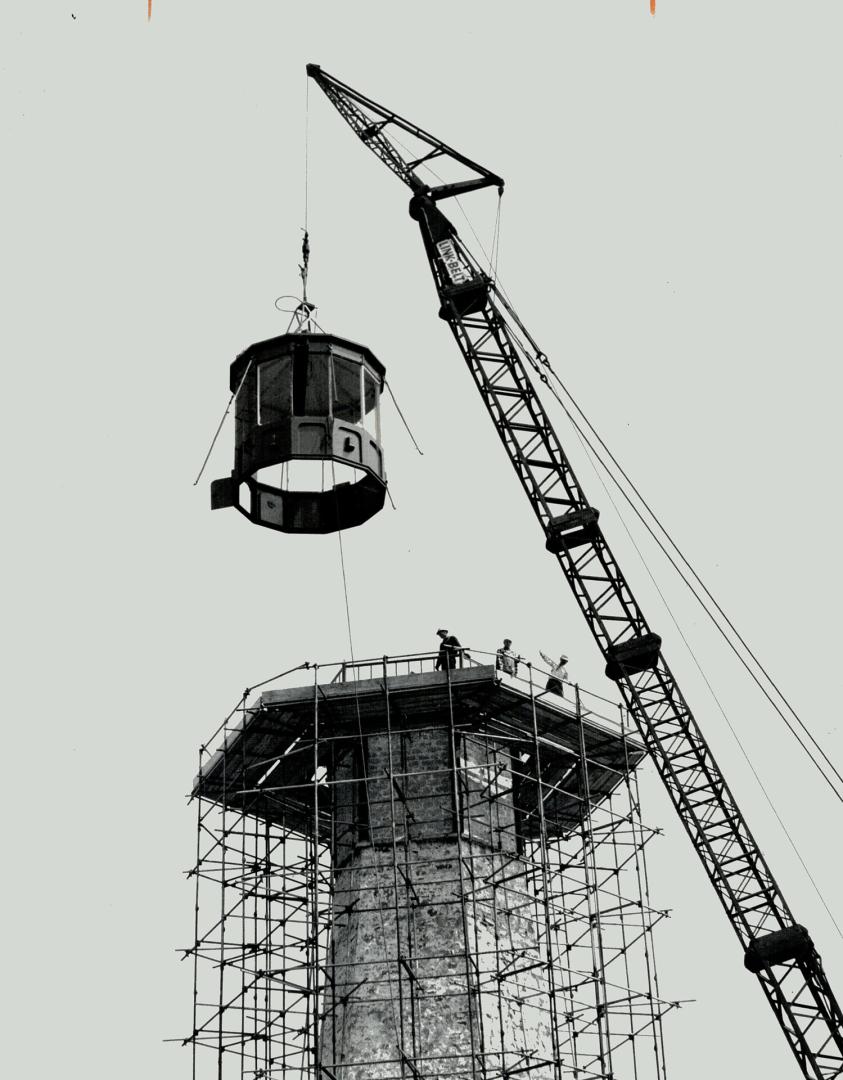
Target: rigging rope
x=403, y=420
x=496, y=238
x=222, y=421
x=538, y=357
x=753, y=675
x=691, y=570
x=711, y=690
x=538, y=360
x=493, y=262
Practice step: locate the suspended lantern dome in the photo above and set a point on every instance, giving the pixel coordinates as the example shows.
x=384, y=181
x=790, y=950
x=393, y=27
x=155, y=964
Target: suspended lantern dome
x=307, y=402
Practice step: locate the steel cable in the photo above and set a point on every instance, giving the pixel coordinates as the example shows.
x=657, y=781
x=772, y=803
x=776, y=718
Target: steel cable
x=714, y=696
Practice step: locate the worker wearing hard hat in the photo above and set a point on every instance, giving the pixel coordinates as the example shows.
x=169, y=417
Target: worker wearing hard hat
x=558, y=674
x=449, y=649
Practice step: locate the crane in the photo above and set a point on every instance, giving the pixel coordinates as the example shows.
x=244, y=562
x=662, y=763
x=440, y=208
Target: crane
x=500, y=353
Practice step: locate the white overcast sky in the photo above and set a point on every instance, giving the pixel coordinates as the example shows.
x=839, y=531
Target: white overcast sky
x=671, y=234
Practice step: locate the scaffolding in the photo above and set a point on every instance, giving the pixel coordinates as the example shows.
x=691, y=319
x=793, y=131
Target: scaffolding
x=409, y=873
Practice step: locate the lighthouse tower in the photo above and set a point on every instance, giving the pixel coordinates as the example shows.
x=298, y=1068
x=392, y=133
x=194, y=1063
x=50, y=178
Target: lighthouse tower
x=405, y=872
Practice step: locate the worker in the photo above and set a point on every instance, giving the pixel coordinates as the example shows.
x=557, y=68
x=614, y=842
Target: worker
x=558, y=674
x=505, y=658
x=449, y=649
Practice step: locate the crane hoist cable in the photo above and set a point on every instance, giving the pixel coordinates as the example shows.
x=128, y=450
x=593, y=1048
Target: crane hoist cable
x=376, y=864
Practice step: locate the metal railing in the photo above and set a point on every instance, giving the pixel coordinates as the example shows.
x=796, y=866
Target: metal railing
x=574, y=698
x=533, y=683
x=406, y=664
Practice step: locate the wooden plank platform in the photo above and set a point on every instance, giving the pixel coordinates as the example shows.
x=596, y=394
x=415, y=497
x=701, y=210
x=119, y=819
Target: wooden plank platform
x=280, y=729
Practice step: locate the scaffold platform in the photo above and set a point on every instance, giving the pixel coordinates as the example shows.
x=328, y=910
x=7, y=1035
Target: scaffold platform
x=407, y=872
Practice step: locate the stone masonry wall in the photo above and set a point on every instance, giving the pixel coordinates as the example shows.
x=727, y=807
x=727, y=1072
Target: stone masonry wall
x=434, y=952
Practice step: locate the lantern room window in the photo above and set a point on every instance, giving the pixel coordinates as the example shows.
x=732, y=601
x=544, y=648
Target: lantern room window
x=274, y=390
x=311, y=381
x=347, y=389
x=371, y=403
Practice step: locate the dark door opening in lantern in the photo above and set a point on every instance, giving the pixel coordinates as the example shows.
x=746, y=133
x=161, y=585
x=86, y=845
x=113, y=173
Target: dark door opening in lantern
x=307, y=444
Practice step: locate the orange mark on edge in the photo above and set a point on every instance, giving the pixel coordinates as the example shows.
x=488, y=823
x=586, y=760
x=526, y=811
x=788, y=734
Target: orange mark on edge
x=149, y=8
x=652, y=6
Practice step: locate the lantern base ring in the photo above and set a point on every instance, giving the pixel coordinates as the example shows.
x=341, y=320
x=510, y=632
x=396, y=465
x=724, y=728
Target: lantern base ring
x=341, y=507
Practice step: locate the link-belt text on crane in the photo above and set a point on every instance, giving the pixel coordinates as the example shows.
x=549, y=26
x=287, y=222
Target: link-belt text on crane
x=456, y=271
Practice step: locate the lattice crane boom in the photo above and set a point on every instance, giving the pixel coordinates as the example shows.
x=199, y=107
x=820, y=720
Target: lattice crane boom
x=500, y=353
